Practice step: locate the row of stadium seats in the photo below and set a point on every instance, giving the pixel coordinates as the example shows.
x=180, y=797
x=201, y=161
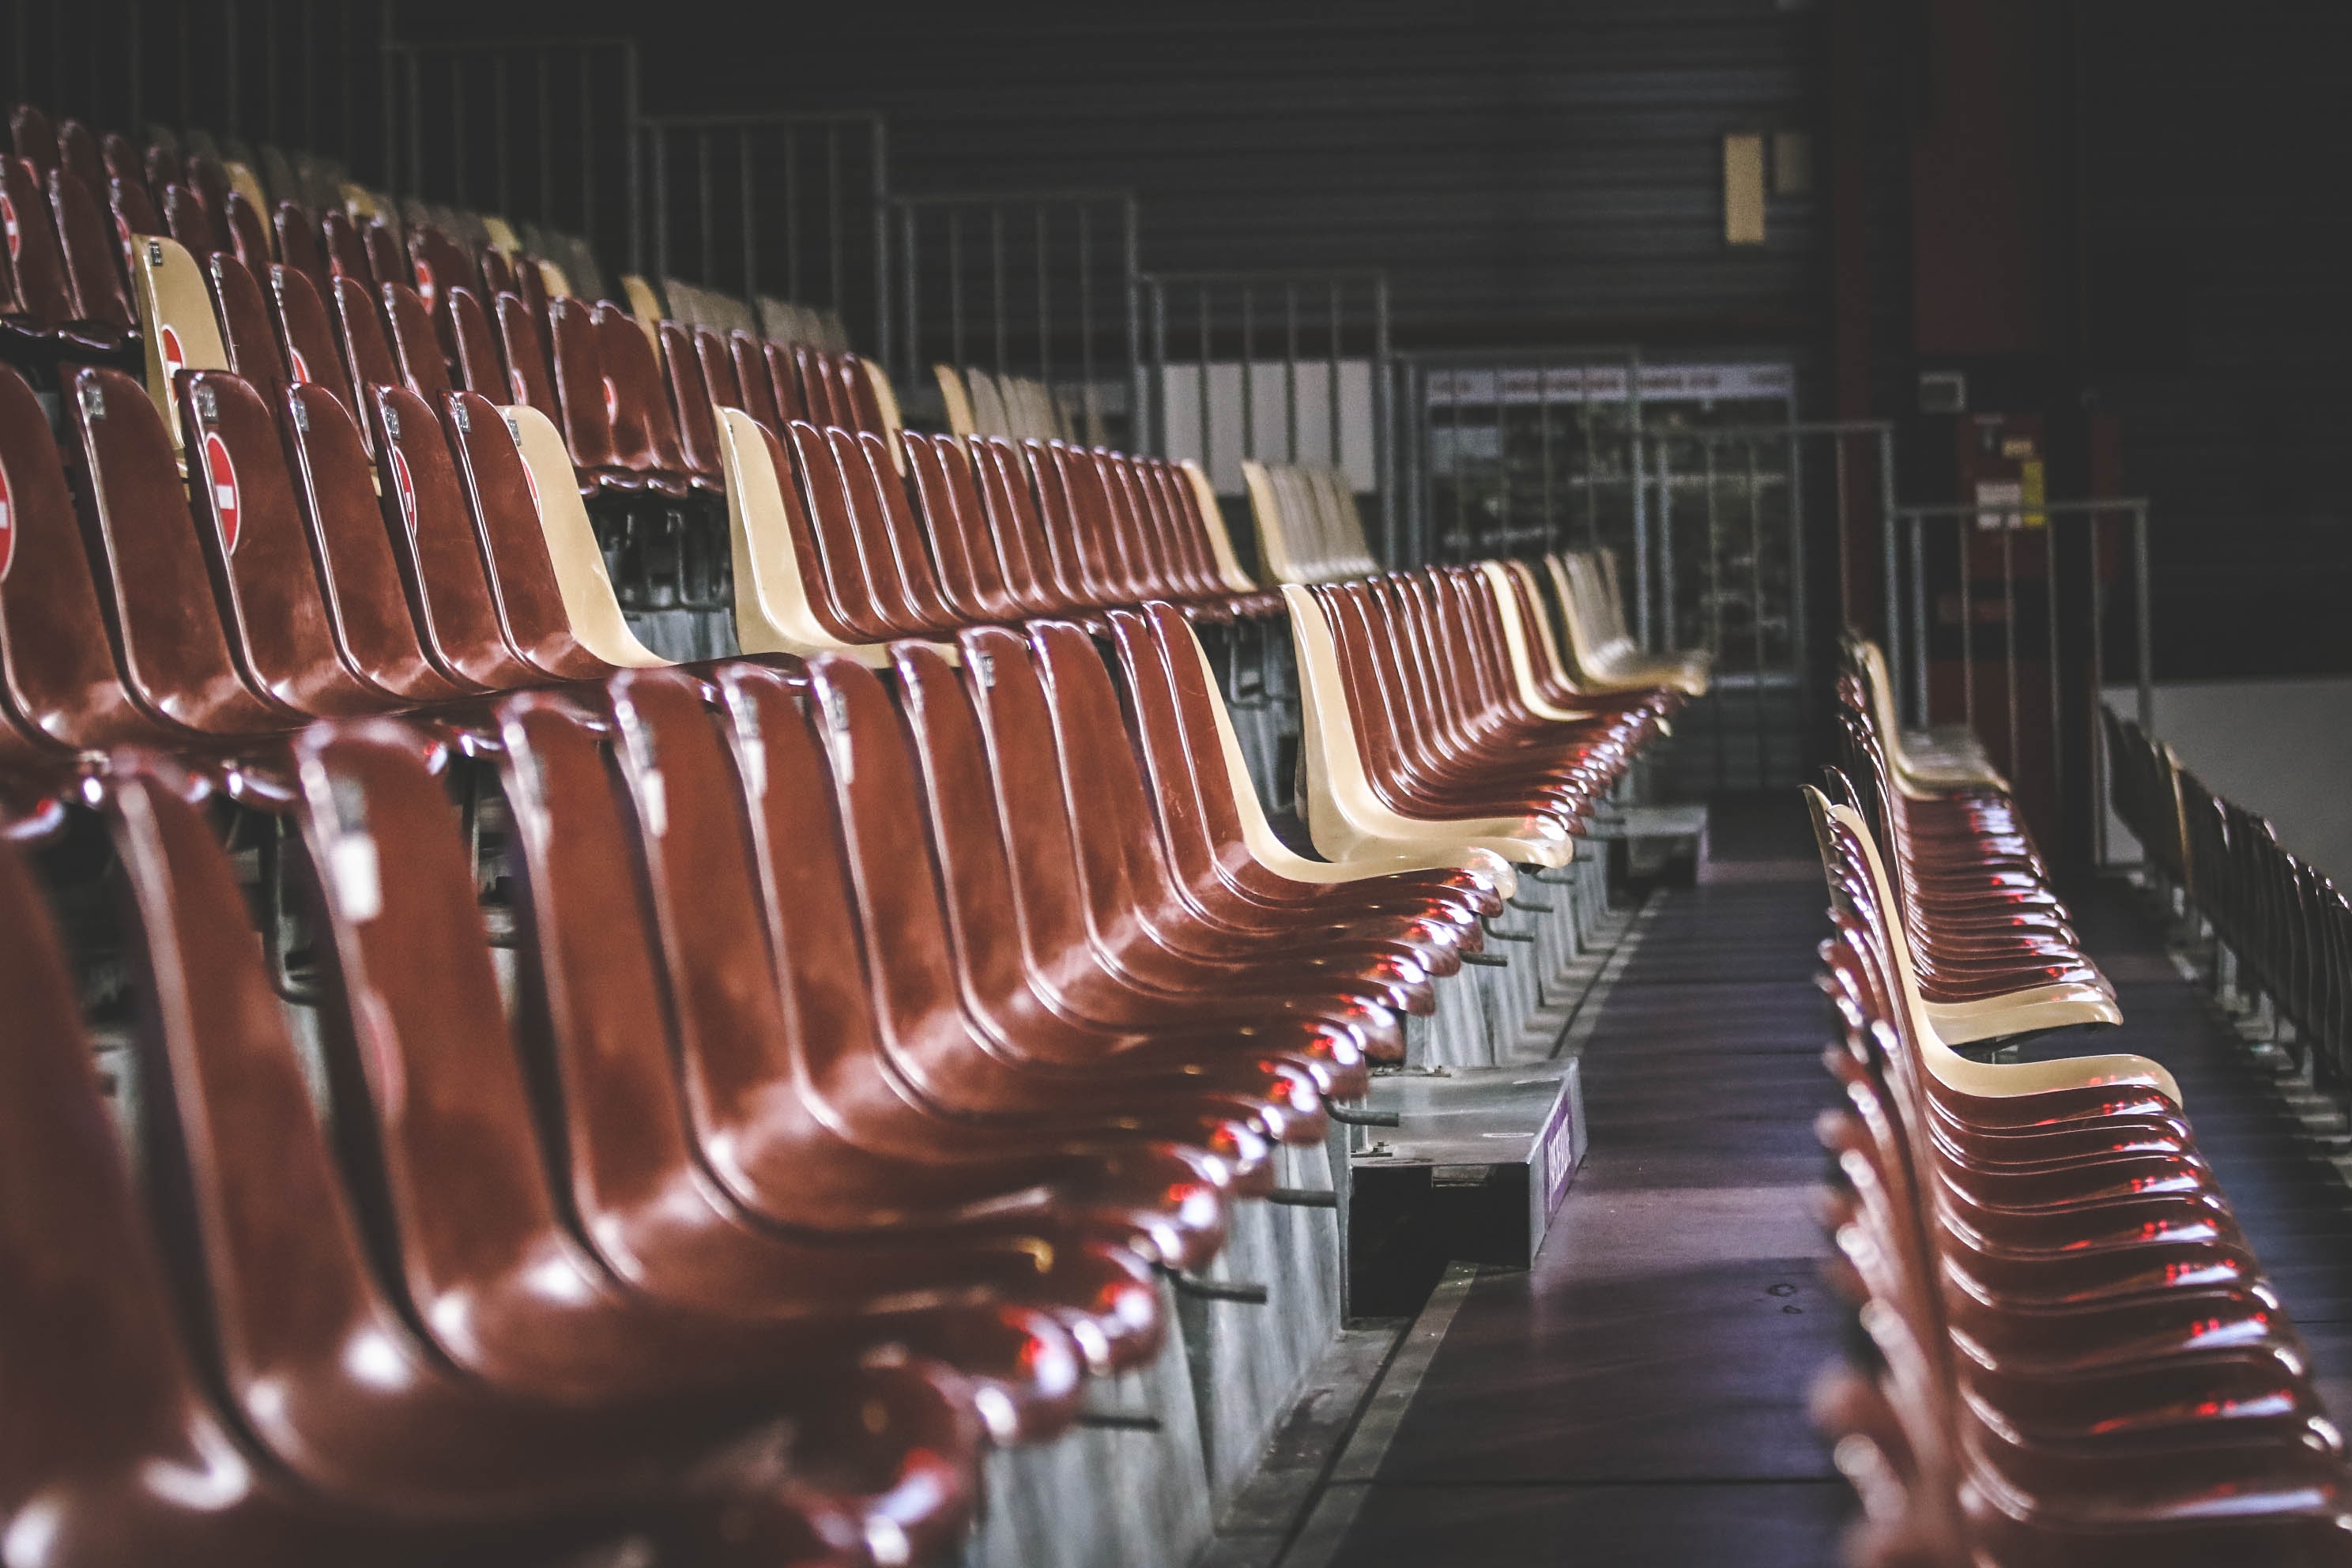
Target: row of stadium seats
x=638, y=1119
x=2071, y=1353
x=1020, y=408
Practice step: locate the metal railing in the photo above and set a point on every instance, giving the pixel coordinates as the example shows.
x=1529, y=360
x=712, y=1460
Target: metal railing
x=2021, y=586
x=761, y=202
x=1289, y=367
x=1042, y=283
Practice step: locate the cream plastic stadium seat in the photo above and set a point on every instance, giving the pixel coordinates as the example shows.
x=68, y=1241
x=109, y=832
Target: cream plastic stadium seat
x=1605, y=656
x=175, y=320
x=989, y=416
x=640, y=296
x=1925, y=761
x=589, y=601
x=772, y=605
x=1517, y=637
x=1941, y=1026
x=886, y=402
x=500, y=235
x=958, y=402
x=1266, y=511
x=1212, y=517
x=1342, y=524
x=1343, y=817
x=1374, y=858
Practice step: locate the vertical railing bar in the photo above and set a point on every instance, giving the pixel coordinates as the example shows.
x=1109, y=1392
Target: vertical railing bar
x=1894, y=621
x=878, y=139
x=2010, y=523
x=416, y=126
x=1920, y=713
x=1552, y=541
x=501, y=134
x=2051, y=523
x=2146, y=650
x=749, y=193
x=631, y=116
x=833, y=269
x=955, y=287
x=1384, y=434
x=996, y=285
x=1799, y=640
x=273, y=70
x=229, y=64
x=1249, y=378
x=1508, y=535
x=1967, y=626
x=1634, y=439
x=1159, y=362
x=1044, y=310
x=706, y=214
x=588, y=151
x=1090, y=394
x=661, y=202
x=792, y=217
x=1669, y=594
x=1208, y=434
x=457, y=128
x=546, y=94
x=1290, y=369
x=1130, y=236
x=1332, y=390
x=907, y=277
x=1756, y=604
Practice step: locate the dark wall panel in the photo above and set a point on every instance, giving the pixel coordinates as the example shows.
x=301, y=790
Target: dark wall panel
x=1524, y=172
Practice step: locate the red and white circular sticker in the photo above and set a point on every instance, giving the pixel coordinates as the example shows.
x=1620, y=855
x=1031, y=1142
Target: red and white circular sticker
x=523, y=393
x=611, y=402
x=425, y=285
x=301, y=366
x=8, y=525
x=8, y=224
x=221, y=474
x=167, y=342
x=404, y=487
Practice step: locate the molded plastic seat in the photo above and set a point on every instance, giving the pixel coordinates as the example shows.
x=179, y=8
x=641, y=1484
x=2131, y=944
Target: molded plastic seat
x=331, y=1379
x=174, y=658
x=416, y=345
x=469, y=345
x=254, y=350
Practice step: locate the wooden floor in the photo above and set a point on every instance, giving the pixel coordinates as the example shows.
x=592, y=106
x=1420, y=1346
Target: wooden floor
x=1638, y=1398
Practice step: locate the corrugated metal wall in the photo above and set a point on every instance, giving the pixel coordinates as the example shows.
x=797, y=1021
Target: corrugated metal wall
x=1524, y=172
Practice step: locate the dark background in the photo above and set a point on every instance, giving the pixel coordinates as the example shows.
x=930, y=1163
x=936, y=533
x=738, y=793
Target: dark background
x=2087, y=204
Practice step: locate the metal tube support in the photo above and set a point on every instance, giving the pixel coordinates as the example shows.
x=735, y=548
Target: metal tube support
x=1919, y=713
x=1893, y=619
x=2143, y=616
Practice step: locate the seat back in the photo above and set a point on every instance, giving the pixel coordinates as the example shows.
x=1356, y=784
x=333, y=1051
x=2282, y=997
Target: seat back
x=43, y=291
x=753, y=381
x=248, y=237
x=168, y=642
x=387, y=259
x=784, y=380
x=529, y=380
x=1032, y=574
x=582, y=385
x=181, y=331
x=894, y=543
x=438, y=263
x=254, y=350
x=504, y=510
x=697, y=430
x=297, y=242
x=590, y=605
x=972, y=579
x=347, y=255
x=468, y=345
x=434, y=541
x=415, y=346
x=367, y=601
x=644, y=431
x=191, y=222
x=259, y=551
x=55, y=650
x=849, y=589
x=784, y=603
x=92, y=254
x=100, y=1382
x=718, y=364
x=359, y=333
x=418, y=1039
x=307, y=338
